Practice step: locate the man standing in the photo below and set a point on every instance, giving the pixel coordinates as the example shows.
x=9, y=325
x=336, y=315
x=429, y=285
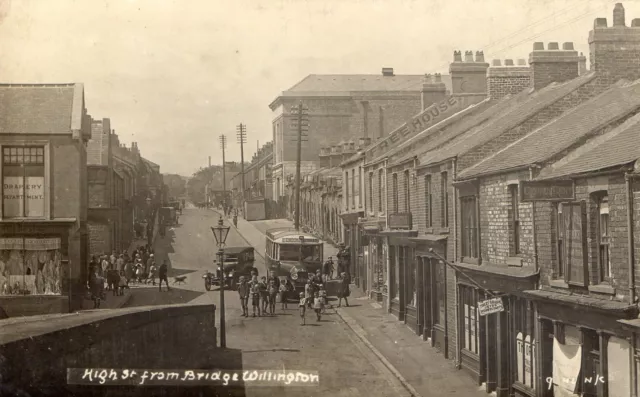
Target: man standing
x=244, y=292
x=162, y=275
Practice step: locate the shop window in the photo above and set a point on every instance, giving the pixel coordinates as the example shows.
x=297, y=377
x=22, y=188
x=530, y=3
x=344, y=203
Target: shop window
x=525, y=355
x=407, y=192
x=428, y=196
x=572, y=229
x=397, y=273
x=470, y=335
x=23, y=189
x=412, y=292
x=515, y=220
x=604, y=257
x=469, y=226
x=395, y=193
x=444, y=200
x=382, y=266
x=440, y=292
x=393, y=272
x=31, y=266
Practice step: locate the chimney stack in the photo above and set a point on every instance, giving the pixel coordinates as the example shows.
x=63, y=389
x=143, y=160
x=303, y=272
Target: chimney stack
x=388, y=72
x=552, y=65
x=468, y=77
x=433, y=90
x=614, y=52
x=508, y=79
x=325, y=157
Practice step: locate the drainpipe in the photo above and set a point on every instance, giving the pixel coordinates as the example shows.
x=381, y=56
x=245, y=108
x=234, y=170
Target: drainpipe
x=386, y=214
x=533, y=226
x=454, y=208
x=630, y=243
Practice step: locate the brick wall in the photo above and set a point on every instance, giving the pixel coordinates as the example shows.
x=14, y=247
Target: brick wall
x=97, y=195
x=98, y=146
x=635, y=189
x=508, y=79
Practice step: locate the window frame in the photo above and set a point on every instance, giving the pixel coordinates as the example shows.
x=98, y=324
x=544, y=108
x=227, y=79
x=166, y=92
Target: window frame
x=428, y=196
x=469, y=297
x=346, y=192
x=469, y=235
x=444, y=199
x=585, y=224
x=407, y=191
x=514, y=196
x=560, y=240
x=47, y=174
x=604, y=271
x=371, y=207
x=524, y=321
x=360, y=187
x=380, y=195
x=395, y=192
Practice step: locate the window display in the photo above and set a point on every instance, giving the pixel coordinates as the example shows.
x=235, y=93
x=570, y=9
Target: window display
x=30, y=266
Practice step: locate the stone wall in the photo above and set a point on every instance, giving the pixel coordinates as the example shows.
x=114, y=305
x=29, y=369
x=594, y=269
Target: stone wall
x=35, y=355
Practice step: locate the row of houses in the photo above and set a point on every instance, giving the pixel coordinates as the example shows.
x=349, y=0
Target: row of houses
x=514, y=184
x=70, y=190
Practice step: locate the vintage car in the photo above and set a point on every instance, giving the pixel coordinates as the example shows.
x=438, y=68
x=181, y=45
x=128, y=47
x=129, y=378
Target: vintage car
x=238, y=261
x=168, y=216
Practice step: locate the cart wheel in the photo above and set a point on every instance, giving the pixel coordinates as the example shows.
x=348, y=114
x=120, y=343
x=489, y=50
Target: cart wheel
x=207, y=285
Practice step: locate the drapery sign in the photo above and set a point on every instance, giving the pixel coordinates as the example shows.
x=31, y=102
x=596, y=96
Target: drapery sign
x=23, y=196
x=490, y=306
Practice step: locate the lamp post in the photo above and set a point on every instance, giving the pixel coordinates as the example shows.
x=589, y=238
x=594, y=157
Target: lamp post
x=220, y=233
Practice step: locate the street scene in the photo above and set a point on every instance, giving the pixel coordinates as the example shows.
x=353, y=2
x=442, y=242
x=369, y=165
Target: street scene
x=320, y=198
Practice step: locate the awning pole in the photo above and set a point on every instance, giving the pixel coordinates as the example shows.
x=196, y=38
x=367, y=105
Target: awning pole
x=456, y=268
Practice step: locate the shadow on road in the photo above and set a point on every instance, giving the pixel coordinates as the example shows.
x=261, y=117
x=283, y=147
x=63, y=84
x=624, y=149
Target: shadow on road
x=151, y=296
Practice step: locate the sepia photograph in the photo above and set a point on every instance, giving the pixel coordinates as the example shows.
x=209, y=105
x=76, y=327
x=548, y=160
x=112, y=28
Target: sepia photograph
x=341, y=198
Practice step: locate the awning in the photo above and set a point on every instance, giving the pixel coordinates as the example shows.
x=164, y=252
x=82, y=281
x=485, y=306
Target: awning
x=429, y=238
x=583, y=301
x=29, y=244
x=499, y=270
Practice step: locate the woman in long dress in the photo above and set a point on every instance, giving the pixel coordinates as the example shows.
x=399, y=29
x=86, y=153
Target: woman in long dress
x=344, y=291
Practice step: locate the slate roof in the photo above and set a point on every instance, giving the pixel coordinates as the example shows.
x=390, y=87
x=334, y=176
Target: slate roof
x=40, y=108
x=527, y=104
x=618, y=147
x=563, y=132
x=315, y=83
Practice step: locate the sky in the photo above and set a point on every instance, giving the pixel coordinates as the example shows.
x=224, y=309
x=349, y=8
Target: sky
x=174, y=75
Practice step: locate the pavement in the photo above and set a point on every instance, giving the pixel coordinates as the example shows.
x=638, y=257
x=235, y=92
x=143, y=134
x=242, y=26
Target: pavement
x=418, y=367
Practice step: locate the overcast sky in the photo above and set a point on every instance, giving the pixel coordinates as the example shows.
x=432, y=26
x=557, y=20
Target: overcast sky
x=174, y=75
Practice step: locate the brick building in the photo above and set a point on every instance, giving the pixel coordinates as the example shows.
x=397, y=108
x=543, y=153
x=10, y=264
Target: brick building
x=341, y=107
x=44, y=129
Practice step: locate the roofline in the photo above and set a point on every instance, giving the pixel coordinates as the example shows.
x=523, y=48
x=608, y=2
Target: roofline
x=427, y=165
x=353, y=158
x=614, y=169
x=497, y=172
x=376, y=162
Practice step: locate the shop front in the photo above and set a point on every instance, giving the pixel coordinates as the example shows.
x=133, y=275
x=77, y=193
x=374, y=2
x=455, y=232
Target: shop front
x=497, y=348
x=430, y=296
x=35, y=272
x=589, y=348
x=402, y=264
x=375, y=260
x=353, y=240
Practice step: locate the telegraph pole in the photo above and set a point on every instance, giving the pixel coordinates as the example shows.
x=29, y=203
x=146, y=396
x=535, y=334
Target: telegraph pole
x=241, y=133
x=223, y=145
x=301, y=123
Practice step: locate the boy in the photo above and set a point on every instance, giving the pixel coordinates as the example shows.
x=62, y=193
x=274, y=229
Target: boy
x=283, y=294
x=123, y=283
x=303, y=307
x=273, y=293
x=264, y=294
x=255, y=297
x=243, y=291
x=317, y=305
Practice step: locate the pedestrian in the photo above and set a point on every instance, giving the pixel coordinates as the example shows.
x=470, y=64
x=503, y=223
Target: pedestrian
x=112, y=259
x=244, y=292
x=149, y=262
x=264, y=294
x=255, y=297
x=122, y=284
x=344, y=291
x=308, y=292
x=104, y=264
x=152, y=272
x=284, y=295
x=162, y=275
x=97, y=287
x=273, y=293
x=317, y=305
x=139, y=273
x=303, y=307
x=326, y=269
x=128, y=271
x=120, y=263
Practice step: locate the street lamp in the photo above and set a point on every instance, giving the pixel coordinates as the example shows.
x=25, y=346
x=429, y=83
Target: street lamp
x=220, y=233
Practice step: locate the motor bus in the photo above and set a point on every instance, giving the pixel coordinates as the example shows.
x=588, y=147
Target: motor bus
x=292, y=254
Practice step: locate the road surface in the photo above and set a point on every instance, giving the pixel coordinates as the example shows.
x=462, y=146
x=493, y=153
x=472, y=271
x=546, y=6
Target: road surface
x=345, y=366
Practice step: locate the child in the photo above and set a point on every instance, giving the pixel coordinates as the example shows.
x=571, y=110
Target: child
x=123, y=283
x=264, y=294
x=303, y=307
x=283, y=294
x=244, y=292
x=323, y=296
x=273, y=292
x=152, y=273
x=317, y=305
x=255, y=298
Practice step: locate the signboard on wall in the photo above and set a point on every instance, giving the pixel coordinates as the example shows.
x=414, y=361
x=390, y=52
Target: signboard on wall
x=23, y=196
x=490, y=306
x=547, y=191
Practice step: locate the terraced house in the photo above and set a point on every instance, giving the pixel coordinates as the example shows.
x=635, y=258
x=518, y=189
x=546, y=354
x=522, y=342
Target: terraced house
x=527, y=196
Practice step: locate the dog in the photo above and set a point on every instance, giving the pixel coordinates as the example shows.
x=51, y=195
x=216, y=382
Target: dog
x=179, y=279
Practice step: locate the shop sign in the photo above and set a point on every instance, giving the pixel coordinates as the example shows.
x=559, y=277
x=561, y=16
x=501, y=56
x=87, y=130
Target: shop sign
x=490, y=306
x=400, y=221
x=29, y=244
x=546, y=191
x=298, y=240
x=23, y=196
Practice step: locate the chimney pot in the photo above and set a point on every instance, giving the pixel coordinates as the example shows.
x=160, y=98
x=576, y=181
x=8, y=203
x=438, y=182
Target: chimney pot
x=479, y=56
x=468, y=56
x=496, y=62
x=508, y=62
x=538, y=46
x=635, y=23
x=457, y=56
x=438, y=78
x=568, y=46
x=618, y=15
x=553, y=46
x=522, y=62
x=600, y=23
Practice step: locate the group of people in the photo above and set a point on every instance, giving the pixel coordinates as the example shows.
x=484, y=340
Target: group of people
x=120, y=269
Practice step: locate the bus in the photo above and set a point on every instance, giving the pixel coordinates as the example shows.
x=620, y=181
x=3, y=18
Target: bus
x=293, y=255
